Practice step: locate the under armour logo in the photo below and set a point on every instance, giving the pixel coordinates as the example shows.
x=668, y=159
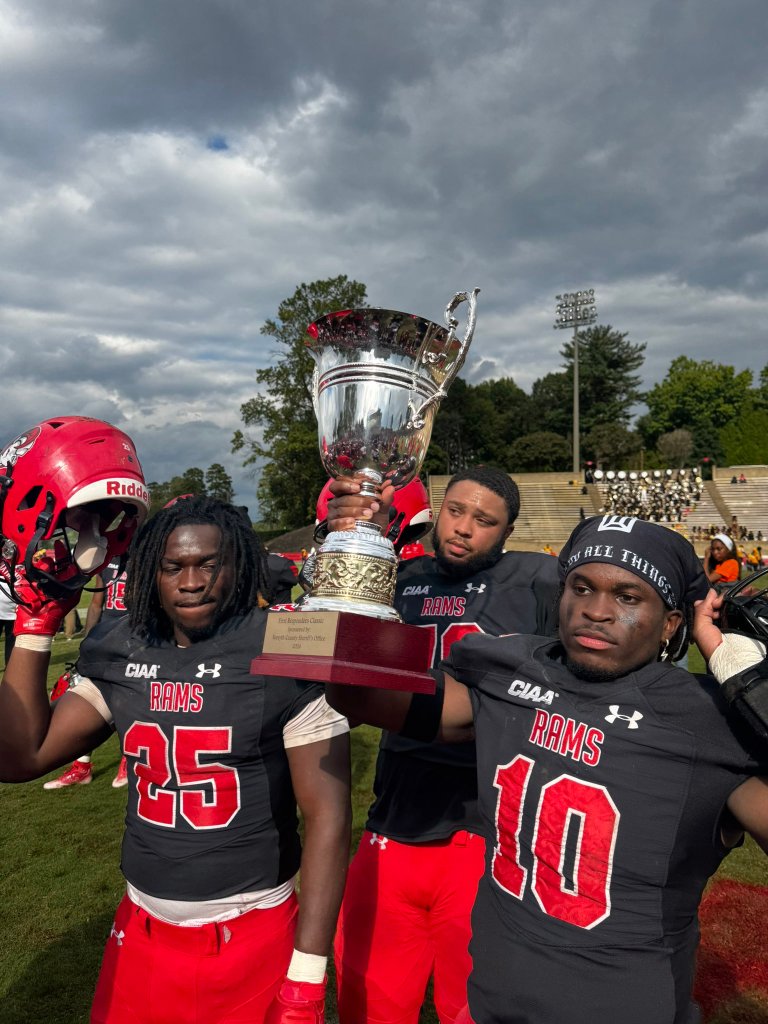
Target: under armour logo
x=631, y=720
x=479, y=589
x=623, y=524
x=119, y=935
x=226, y=933
x=203, y=671
x=381, y=840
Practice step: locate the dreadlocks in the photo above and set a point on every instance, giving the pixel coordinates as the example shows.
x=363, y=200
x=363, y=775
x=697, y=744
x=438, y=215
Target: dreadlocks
x=495, y=480
x=248, y=557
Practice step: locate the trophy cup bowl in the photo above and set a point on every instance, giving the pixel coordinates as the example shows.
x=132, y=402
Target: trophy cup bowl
x=379, y=378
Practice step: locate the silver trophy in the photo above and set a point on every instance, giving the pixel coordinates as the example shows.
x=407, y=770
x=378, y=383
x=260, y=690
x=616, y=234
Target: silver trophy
x=379, y=378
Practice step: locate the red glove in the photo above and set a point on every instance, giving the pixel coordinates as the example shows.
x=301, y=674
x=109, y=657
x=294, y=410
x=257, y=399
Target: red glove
x=298, y=1002
x=40, y=614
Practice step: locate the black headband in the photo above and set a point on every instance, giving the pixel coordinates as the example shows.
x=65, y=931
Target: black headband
x=661, y=557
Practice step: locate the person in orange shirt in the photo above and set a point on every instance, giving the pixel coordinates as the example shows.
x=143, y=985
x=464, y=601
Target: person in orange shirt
x=720, y=562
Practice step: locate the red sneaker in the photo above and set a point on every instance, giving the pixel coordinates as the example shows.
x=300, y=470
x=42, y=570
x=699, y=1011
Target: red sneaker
x=78, y=775
x=121, y=779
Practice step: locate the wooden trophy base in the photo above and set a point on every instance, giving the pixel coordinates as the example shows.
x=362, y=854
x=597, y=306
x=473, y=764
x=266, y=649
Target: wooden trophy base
x=347, y=648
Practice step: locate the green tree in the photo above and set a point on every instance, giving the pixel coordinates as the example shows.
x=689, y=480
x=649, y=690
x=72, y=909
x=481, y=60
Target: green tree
x=158, y=495
x=698, y=396
x=286, y=447
x=608, y=384
x=612, y=444
x=192, y=481
x=511, y=414
x=760, y=394
x=745, y=440
x=446, y=452
x=218, y=483
x=540, y=452
x=676, y=447
x=552, y=400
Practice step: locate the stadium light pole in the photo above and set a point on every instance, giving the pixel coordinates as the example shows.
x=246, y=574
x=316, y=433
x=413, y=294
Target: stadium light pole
x=575, y=309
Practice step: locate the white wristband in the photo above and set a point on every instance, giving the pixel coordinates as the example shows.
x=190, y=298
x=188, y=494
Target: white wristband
x=307, y=967
x=735, y=654
x=34, y=642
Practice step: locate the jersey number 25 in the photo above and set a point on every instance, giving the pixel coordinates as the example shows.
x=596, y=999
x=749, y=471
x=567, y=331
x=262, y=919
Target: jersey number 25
x=208, y=793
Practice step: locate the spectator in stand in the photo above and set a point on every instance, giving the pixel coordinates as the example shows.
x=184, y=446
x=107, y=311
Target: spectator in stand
x=753, y=560
x=742, y=478
x=720, y=562
x=107, y=605
x=661, y=496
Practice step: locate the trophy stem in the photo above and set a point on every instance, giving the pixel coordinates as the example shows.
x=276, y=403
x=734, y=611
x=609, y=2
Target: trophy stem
x=370, y=481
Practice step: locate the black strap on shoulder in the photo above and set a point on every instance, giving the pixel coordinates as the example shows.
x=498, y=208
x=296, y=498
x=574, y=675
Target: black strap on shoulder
x=423, y=719
x=747, y=695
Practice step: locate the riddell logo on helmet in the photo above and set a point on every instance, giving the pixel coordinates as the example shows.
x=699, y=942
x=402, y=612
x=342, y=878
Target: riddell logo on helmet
x=120, y=489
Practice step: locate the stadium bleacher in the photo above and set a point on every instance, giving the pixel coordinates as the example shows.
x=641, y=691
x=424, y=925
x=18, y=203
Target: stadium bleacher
x=551, y=505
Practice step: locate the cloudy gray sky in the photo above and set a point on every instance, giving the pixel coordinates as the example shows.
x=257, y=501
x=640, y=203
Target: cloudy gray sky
x=170, y=170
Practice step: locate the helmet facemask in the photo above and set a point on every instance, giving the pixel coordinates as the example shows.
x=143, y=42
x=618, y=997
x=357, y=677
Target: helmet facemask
x=745, y=607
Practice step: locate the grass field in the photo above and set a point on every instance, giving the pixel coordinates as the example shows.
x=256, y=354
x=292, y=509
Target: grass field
x=60, y=883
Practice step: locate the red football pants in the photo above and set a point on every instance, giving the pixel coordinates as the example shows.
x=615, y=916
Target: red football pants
x=157, y=973
x=406, y=916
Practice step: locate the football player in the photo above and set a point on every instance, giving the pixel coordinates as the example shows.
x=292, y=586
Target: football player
x=413, y=880
x=218, y=759
x=611, y=786
x=107, y=605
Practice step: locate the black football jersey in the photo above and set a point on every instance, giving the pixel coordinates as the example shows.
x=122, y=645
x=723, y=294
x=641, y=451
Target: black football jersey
x=211, y=809
x=426, y=791
x=113, y=579
x=601, y=804
x=283, y=576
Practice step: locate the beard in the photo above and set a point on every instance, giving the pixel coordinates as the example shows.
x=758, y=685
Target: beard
x=600, y=675
x=590, y=675
x=470, y=565
x=197, y=633
x=202, y=633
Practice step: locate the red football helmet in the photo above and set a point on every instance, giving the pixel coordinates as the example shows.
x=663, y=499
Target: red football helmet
x=64, y=477
x=415, y=550
x=179, y=497
x=62, y=684
x=410, y=515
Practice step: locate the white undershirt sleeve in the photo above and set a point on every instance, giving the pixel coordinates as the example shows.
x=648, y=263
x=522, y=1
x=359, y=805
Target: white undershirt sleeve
x=86, y=689
x=317, y=721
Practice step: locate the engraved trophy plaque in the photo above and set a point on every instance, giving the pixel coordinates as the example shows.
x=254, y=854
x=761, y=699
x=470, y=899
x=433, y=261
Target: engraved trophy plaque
x=379, y=378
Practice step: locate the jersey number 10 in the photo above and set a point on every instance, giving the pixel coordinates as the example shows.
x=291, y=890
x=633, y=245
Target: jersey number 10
x=582, y=897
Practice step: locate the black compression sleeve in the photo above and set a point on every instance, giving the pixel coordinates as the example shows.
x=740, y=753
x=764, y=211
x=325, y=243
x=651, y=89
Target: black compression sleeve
x=747, y=694
x=423, y=719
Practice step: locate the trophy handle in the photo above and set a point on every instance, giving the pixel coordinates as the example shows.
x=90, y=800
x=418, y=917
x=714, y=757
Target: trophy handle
x=416, y=422
x=315, y=386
